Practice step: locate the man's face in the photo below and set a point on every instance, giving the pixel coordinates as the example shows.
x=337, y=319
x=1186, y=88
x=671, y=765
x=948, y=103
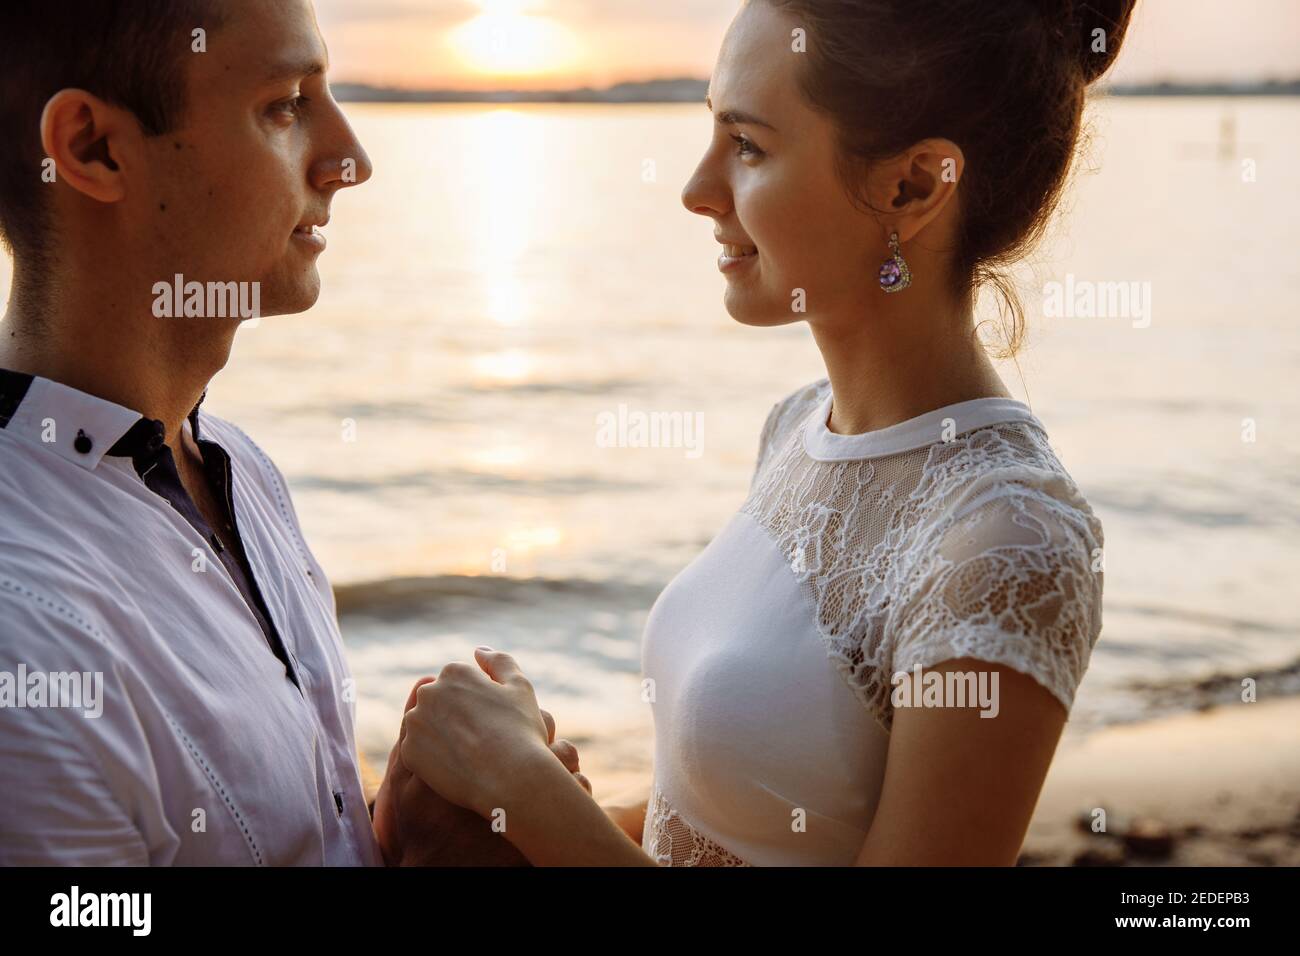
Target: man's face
x=233, y=192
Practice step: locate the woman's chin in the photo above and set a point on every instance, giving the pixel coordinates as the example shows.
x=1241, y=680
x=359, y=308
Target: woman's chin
x=766, y=314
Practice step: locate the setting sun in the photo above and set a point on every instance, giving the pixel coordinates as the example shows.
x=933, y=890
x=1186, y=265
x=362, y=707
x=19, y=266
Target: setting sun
x=508, y=40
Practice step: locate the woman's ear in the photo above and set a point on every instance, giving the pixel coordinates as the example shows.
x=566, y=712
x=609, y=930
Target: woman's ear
x=910, y=190
x=88, y=140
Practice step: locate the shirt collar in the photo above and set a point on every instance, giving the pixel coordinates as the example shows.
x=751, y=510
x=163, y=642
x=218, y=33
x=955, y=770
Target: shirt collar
x=194, y=416
x=73, y=424
x=144, y=440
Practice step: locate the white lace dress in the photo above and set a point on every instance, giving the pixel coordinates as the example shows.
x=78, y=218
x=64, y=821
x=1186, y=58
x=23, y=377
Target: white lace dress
x=956, y=534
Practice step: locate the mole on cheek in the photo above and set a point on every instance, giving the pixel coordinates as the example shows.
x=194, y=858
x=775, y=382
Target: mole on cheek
x=162, y=207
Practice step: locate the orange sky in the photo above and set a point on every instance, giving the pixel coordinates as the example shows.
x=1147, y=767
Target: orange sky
x=548, y=44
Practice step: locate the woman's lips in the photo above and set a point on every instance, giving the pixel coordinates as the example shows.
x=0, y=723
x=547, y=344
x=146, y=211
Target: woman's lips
x=735, y=257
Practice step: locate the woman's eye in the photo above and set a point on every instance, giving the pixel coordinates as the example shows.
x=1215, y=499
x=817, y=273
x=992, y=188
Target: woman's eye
x=745, y=146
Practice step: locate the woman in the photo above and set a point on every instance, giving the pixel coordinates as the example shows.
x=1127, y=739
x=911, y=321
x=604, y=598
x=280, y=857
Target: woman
x=908, y=525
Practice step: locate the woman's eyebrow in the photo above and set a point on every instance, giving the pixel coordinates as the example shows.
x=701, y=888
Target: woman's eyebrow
x=737, y=117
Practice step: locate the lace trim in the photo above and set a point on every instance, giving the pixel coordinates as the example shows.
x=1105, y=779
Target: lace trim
x=671, y=841
x=979, y=547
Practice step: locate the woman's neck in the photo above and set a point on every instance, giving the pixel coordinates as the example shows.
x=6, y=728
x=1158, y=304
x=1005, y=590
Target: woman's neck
x=899, y=364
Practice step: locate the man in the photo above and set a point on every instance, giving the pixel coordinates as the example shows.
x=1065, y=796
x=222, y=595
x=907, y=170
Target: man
x=152, y=567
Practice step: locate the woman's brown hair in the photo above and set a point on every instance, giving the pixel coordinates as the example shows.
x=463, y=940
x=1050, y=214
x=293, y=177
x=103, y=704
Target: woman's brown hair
x=1003, y=79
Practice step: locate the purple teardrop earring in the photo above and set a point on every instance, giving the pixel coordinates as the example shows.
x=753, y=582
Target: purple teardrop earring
x=895, y=276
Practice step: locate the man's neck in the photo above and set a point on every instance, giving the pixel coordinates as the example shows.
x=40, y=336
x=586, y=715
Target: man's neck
x=156, y=366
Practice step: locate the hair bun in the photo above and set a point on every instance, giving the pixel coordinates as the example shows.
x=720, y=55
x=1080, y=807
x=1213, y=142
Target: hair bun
x=1099, y=26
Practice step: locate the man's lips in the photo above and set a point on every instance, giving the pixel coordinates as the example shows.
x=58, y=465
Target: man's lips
x=308, y=225
x=309, y=233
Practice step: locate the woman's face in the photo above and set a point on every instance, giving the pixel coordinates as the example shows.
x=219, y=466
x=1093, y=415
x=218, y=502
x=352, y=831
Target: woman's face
x=769, y=184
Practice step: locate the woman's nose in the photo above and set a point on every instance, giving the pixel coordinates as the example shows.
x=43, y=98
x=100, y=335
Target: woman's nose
x=704, y=195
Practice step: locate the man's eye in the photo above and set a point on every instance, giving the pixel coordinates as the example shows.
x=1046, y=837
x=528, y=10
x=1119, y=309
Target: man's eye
x=292, y=106
x=745, y=146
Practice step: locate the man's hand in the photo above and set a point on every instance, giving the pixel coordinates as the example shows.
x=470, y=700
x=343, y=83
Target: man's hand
x=417, y=827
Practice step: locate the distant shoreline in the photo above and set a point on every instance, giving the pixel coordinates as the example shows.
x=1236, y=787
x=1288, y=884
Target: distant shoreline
x=690, y=90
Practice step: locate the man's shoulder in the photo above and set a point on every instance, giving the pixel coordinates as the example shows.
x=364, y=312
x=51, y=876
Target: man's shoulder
x=43, y=498
x=249, y=458
x=233, y=439
x=54, y=621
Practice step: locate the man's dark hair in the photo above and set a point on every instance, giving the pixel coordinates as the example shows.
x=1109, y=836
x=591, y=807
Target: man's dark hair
x=131, y=53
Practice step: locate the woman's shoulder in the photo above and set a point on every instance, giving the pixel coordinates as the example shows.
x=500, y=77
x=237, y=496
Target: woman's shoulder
x=1011, y=463
x=806, y=396
x=791, y=411
x=1003, y=562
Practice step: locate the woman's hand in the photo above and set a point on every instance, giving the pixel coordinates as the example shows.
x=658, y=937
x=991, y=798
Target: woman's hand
x=479, y=739
x=477, y=736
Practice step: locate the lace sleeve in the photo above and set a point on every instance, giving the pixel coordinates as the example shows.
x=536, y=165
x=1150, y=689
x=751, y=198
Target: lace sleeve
x=1010, y=581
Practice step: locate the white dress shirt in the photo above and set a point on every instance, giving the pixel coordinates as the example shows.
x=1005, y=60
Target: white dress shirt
x=206, y=750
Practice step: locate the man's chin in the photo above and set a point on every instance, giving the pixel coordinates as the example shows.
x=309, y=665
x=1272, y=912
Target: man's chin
x=291, y=299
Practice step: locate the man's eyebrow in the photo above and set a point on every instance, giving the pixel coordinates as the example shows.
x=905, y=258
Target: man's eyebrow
x=294, y=70
x=737, y=117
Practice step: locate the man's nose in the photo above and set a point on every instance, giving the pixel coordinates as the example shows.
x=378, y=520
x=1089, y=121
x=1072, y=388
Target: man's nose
x=346, y=164
x=342, y=171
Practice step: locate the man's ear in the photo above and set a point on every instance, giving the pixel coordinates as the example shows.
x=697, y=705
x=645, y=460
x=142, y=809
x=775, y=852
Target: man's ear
x=89, y=141
x=910, y=190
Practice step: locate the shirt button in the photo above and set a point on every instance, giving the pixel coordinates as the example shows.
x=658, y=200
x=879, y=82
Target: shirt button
x=83, y=443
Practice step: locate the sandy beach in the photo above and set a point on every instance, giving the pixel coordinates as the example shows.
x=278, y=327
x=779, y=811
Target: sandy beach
x=1219, y=787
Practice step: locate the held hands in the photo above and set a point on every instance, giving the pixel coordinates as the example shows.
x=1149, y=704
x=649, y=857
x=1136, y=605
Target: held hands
x=477, y=736
x=417, y=827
